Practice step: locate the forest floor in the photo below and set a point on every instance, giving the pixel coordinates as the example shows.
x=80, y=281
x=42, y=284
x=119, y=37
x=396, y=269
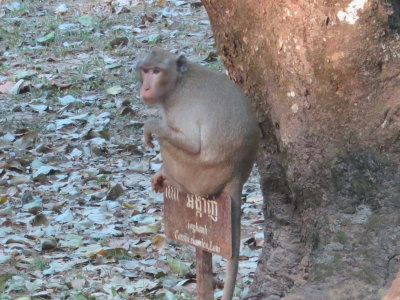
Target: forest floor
x=78, y=219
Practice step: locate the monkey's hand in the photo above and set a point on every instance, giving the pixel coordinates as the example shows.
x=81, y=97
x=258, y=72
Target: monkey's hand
x=149, y=128
x=157, y=182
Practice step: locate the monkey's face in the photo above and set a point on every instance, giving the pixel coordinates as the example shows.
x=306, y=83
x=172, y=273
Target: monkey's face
x=157, y=84
x=159, y=72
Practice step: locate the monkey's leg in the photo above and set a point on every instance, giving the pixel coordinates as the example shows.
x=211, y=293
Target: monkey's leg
x=235, y=192
x=162, y=178
x=158, y=181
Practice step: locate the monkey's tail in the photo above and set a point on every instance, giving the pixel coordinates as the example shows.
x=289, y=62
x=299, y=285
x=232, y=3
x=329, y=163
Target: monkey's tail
x=230, y=278
x=232, y=266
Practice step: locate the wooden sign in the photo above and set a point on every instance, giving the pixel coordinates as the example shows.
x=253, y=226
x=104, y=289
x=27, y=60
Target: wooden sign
x=201, y=222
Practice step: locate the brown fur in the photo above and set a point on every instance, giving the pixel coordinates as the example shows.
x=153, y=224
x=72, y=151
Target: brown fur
x=394, y=291
x=208, y=134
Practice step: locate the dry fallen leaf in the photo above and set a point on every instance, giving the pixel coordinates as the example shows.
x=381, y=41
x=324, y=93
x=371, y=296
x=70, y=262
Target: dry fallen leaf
x=159, y=242
x=114, y=90
x=5, y=87
x=3, y=199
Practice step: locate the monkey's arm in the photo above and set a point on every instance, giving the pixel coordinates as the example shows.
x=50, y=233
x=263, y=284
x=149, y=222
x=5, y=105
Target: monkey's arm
x=175, y=137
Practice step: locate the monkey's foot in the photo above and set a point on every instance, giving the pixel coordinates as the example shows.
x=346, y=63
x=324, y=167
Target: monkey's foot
x=158, y=182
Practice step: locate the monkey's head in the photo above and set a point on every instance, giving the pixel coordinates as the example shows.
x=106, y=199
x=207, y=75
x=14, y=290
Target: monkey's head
x=159, y=72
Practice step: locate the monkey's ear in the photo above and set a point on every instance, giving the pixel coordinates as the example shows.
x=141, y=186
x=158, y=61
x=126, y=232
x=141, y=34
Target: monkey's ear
x=182, y=64
x=137, y=71
x=137, y=66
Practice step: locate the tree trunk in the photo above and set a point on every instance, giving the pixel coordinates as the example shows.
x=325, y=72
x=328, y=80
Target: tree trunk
x=324, y=78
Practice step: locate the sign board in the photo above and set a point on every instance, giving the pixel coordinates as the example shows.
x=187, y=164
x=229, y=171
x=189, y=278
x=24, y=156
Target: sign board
x=198, y=221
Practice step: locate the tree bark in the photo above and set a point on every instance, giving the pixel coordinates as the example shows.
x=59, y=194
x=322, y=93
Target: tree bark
x=324, y=78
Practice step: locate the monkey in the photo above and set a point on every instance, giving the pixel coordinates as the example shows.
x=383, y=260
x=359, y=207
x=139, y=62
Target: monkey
x=208, y=134
x=394, y=290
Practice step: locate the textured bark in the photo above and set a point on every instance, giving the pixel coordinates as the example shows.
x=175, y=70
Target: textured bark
x=327, y=95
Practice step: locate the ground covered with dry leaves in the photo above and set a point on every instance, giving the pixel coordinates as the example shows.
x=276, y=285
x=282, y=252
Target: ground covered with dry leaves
x=78, y=219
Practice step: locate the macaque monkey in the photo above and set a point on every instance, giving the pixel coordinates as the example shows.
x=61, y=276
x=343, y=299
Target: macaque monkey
x=208, y=134
x=394, y=290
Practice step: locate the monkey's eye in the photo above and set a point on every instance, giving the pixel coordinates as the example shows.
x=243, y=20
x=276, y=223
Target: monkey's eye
x=156, y=71
x=145, y=71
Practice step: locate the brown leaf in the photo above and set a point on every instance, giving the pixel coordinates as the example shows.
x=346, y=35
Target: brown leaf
x=119, y=42
x=127, y=111
x=62, y=85
x=3, y=199
x=148, y=19
x=39, y=219
x=196, y=4
x=48, y=244
x=115, y=192
x=158, y=243
x=212, y=56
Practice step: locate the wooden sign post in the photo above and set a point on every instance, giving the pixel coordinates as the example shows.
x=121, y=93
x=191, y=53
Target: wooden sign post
x=204, y=275
x=201, y=222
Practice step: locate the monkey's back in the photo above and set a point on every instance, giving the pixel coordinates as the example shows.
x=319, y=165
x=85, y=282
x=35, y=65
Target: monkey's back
x=227, y=127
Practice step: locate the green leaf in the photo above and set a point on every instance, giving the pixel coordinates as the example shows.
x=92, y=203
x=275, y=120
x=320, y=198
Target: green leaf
x=71, y=241
x=154, y=38
x=114, y=291
x=23, y=74
x=3, y=279
x=86, y=20
x=46, y=38
x=170, y=296
x=79, y=297
x=15, y=89
x=152, y=228
x=178, y=267
x=114, y=90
